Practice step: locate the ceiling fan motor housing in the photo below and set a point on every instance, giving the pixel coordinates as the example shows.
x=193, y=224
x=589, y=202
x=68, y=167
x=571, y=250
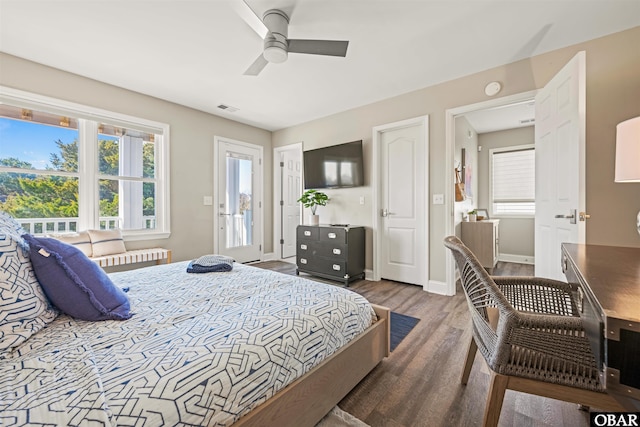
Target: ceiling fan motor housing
x=275, y=44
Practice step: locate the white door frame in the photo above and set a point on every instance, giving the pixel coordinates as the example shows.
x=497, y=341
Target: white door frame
x=450, y=131
x=277, y=211
x=216, y=196
x=376, y=185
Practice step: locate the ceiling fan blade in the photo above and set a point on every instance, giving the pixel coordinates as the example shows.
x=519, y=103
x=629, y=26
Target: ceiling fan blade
x=319, y=47
x=250, y=17
x=257, y=66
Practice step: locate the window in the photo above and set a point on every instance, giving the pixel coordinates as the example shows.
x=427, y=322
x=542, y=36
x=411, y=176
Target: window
x=513, y=181
x=65, y=167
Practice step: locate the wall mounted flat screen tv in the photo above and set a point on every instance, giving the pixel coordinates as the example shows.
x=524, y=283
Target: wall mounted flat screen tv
x=336, y=166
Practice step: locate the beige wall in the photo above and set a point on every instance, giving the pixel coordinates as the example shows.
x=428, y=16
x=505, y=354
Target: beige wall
x=516, y=234
x=467, y=138
x=613, y=88
x=613, y=85
x=191, y=155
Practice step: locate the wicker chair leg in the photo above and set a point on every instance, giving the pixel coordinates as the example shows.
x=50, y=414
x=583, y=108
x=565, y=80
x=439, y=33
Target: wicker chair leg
x=468, y=363
x=493, y=407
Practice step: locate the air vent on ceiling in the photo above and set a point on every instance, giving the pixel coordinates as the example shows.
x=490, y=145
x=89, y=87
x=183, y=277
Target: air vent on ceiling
x=227, y=108
x=527, y=121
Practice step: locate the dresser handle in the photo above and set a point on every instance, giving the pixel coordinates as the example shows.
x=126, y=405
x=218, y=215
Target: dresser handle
x=337, y=251
x=336, y=267
x=303, y=261
x=307, y=233
x=331, y=235
x=303, y=247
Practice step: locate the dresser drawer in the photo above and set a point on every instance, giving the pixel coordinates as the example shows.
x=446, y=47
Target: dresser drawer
x=333, y=235
x=327, y=266
x=323, y=249
x=307, y=233
x=333, y=250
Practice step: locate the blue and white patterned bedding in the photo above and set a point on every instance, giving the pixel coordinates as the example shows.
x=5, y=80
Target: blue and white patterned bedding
x=201, y=349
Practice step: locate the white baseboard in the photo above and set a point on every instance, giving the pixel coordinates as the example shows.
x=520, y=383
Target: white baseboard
x=519, y=259
x=368, y=275
x=437, y=287
x=433, y=286
x=270, y=256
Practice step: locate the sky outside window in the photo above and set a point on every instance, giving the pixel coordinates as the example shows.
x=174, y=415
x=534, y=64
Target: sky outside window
x=32, y=142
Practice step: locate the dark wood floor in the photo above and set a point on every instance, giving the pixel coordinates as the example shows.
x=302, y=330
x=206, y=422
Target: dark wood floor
x=419, y=384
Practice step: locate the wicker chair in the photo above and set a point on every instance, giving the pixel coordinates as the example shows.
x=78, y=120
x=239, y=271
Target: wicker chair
x=530, y=334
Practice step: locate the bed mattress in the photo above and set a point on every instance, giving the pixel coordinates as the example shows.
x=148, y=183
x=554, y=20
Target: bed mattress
x=201, y=349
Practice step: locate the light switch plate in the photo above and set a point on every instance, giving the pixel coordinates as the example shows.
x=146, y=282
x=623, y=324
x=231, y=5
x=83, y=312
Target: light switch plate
x=207, y=200
x=438, y=199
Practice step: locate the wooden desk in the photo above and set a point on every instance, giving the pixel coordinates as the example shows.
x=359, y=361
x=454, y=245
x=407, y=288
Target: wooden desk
x=607, y=283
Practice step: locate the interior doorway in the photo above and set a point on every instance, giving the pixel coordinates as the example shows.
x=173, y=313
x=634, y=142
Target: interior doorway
x=450, y=209
x=559, y=162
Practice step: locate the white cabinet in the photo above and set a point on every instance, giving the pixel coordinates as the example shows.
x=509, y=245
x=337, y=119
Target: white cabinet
x=482, y=238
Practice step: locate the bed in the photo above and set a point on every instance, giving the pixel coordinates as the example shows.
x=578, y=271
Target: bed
x=245, y=347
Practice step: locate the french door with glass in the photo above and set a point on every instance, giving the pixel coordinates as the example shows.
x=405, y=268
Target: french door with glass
x=238, y=207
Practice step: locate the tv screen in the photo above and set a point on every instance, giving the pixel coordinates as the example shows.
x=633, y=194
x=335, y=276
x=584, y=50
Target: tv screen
x=336, y=166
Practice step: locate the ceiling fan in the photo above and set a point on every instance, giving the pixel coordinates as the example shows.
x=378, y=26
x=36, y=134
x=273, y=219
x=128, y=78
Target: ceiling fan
x=273, y=29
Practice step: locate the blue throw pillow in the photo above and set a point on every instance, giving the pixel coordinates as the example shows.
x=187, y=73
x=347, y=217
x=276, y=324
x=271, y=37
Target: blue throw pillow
x=74, y=283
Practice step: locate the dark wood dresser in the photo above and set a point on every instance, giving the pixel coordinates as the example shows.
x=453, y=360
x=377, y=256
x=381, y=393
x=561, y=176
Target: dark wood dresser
x=607, y=283
x=331, y=251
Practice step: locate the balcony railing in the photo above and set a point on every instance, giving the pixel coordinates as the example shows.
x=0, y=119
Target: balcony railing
x=40, y=226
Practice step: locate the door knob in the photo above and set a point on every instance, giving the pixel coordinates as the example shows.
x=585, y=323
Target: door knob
x=584, y=216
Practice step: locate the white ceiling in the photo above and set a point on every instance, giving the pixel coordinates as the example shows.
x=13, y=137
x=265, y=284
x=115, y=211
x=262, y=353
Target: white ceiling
x=194, y=52
x=504, y=117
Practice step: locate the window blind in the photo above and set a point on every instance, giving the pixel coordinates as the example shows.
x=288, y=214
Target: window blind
x=513, y=181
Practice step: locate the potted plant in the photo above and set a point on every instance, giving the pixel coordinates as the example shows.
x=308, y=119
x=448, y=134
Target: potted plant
x=472, y=215
x=312, y=199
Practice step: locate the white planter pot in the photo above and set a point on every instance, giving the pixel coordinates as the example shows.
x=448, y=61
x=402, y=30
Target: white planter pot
x=472, y=218
x=314, y=219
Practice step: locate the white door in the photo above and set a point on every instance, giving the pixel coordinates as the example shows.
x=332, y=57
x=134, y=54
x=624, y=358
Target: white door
x=560, y=166
x=288, y=190
x=239, y=200
x=402, y=212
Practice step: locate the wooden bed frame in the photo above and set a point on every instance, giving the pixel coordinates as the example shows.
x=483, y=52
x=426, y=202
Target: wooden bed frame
x=308, y=399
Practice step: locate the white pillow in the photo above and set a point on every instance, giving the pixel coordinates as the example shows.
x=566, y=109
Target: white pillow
x=9, y=224
x=80, y=240
x=24, y=308
x=107, y=242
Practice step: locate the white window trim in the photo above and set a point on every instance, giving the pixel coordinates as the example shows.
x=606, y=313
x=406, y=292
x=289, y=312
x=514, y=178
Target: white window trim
x=492, y=214
x=89, y=156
